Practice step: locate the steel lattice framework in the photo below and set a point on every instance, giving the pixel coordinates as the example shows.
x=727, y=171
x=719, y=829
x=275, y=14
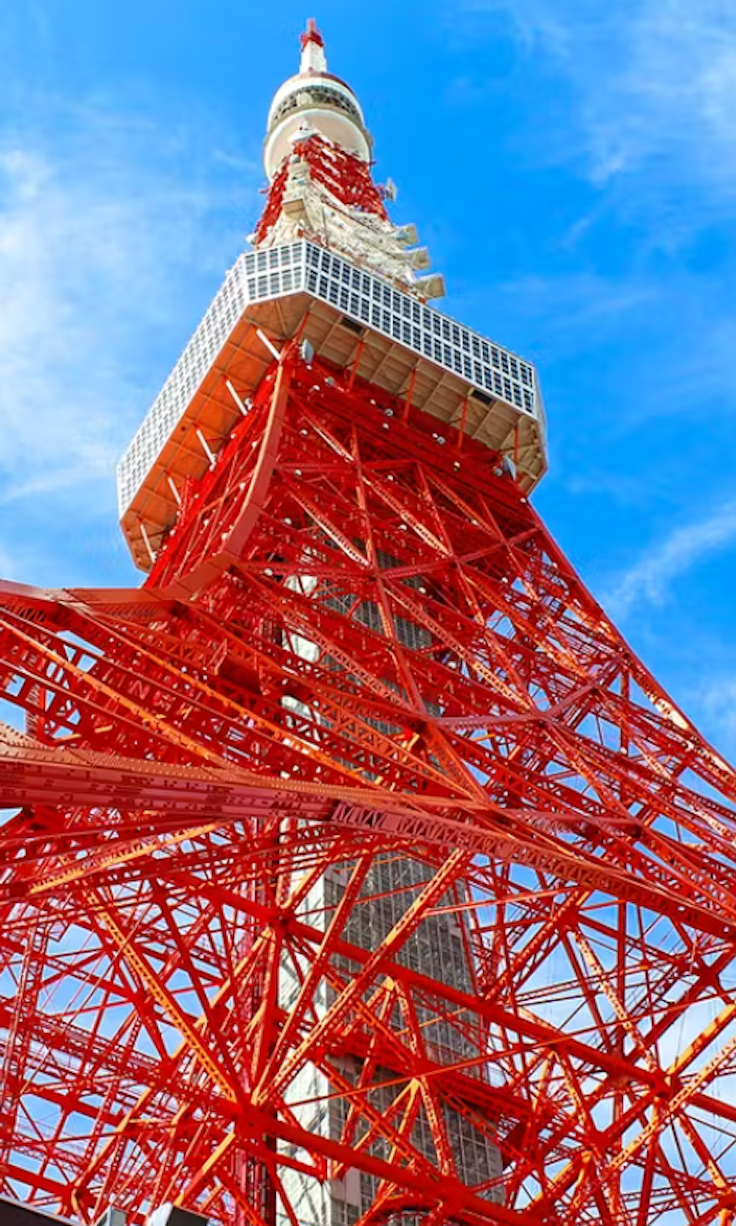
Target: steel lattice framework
x=358, y=646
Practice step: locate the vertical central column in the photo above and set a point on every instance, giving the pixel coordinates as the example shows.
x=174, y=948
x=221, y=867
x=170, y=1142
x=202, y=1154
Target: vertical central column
x=440, y=950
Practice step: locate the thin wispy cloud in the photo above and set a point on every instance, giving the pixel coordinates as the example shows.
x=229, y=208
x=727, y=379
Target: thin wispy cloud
x=643, y=113
x=654, y=80
x=649, y=580
x=91, y=252
x=717, y=701
x=106, y=232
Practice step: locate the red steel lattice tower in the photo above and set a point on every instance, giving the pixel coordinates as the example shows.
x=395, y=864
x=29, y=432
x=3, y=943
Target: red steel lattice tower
x=353, y=867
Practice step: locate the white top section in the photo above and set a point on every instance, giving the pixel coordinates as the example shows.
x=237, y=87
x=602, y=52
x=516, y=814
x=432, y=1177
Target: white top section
x=315, y=101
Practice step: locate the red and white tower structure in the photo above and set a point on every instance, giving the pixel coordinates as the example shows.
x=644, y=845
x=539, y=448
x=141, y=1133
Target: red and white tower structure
x=353, y=867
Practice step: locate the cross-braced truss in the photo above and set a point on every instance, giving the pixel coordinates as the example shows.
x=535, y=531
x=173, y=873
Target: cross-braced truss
x=358, y=651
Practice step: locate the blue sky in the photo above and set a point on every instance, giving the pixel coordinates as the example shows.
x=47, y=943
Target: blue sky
x=572, y=167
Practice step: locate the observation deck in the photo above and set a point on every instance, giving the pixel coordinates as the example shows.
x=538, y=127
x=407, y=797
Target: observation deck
x=356, y=318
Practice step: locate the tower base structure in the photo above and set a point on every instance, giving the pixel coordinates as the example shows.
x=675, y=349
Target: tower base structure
x=362, y=707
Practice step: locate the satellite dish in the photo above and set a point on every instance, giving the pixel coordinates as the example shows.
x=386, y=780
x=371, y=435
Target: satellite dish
x=390, y=190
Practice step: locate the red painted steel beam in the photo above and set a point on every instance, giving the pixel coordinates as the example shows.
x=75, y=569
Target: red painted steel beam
x=359, y=645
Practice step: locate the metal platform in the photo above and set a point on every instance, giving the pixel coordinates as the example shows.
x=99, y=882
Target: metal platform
x=395, y=340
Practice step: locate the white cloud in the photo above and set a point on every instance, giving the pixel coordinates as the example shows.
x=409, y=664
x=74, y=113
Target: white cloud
x=649, y=580
x=655, y=80
x=109, y=228
x=717, y=701
x=643, y=105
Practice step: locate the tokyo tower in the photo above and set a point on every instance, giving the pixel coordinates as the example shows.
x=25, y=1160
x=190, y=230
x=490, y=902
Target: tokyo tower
x=354, y=870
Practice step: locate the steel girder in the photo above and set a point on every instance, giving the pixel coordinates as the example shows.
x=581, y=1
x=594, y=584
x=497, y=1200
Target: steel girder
x=358, y=645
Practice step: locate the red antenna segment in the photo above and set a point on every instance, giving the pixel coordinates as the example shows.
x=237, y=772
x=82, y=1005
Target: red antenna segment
x=312, y=34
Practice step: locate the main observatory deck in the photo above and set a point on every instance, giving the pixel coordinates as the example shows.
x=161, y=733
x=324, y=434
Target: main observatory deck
x=393, y=339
